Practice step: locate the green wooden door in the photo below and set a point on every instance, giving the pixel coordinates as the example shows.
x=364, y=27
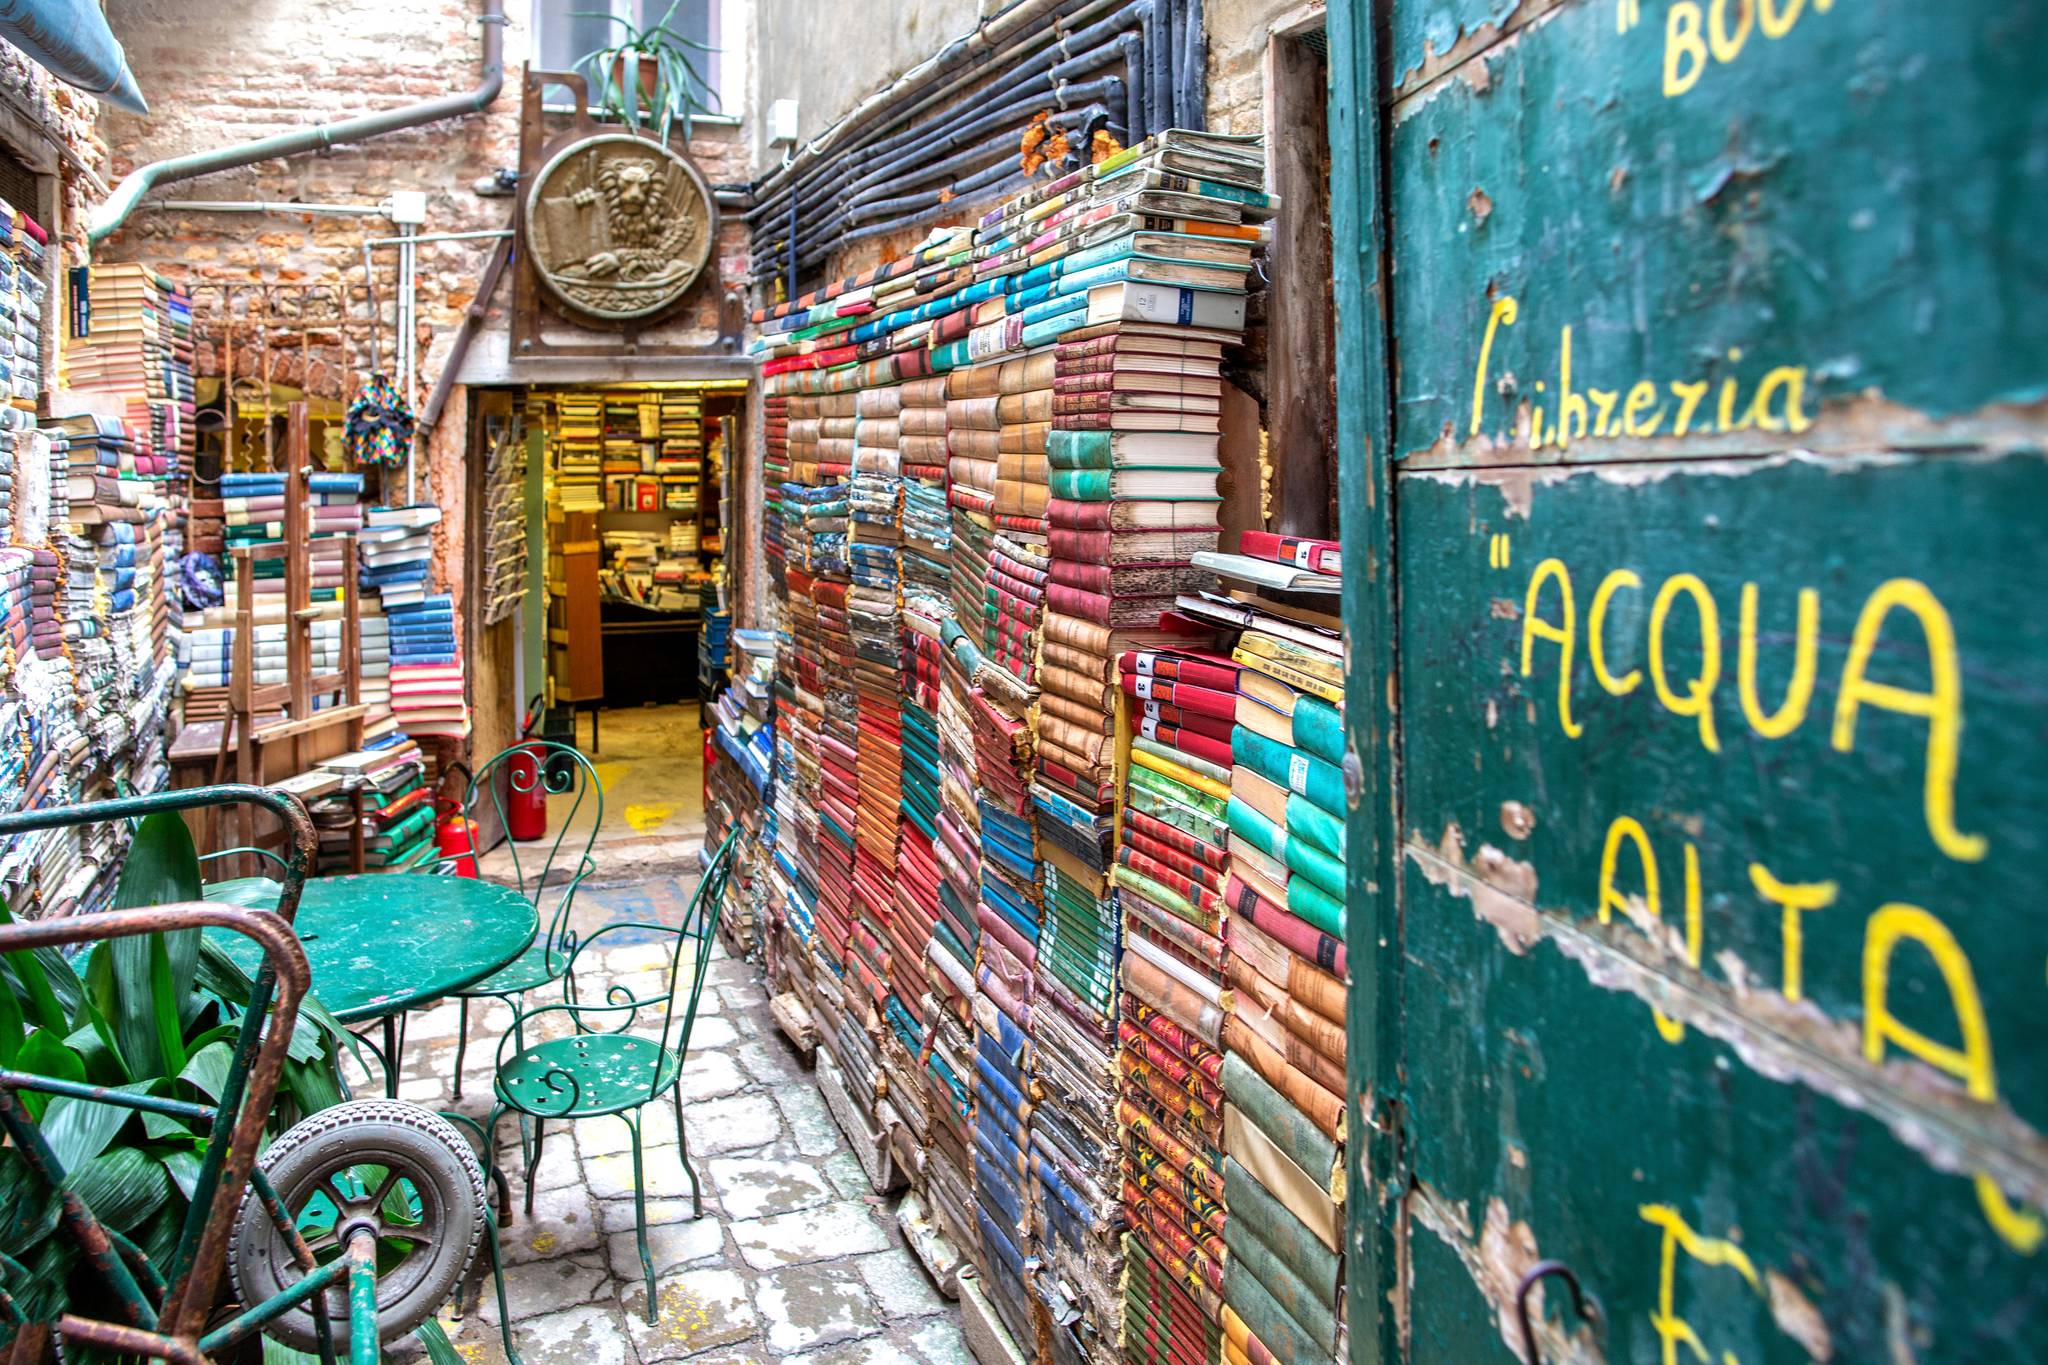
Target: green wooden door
x=1695, y=355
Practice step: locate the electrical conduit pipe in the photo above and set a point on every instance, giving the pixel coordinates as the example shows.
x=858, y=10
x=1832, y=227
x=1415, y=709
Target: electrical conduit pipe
x=128, y=194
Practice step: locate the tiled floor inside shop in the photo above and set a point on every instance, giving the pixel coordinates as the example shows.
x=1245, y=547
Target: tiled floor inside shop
x=794, y=1258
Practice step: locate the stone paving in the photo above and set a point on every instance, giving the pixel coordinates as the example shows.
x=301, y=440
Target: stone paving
x=795, y=1259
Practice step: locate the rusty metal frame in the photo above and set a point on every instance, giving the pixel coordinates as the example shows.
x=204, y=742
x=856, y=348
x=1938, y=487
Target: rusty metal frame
x=166, y=1315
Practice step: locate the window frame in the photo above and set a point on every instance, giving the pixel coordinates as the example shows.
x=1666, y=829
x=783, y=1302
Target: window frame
x=728, y=76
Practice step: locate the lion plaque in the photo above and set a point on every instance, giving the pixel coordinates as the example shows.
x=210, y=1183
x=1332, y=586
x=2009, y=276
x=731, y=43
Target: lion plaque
x=619, y=227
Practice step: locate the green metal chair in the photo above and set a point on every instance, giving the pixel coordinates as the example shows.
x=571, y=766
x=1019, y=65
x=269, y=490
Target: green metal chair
x=604, y=1066
x=559, y=770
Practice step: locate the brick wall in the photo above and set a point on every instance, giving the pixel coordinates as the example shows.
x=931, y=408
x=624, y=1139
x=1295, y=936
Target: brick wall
x=217, y=74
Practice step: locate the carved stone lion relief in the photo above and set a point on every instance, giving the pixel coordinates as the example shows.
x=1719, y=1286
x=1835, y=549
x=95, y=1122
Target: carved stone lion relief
x=619, y=227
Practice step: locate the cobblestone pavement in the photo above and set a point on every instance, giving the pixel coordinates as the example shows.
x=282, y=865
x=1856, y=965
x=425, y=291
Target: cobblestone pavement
x=794, y=1259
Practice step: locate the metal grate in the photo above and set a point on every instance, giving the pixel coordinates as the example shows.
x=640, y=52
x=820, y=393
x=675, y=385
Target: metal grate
x=18, y=185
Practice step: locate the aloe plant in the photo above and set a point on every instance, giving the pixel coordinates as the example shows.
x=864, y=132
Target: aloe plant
x=676, y=83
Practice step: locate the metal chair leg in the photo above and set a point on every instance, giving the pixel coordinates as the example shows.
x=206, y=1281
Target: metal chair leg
x=540, y=1136
x=461, y=1047
x=640, y=1216
x=683, y=1147
x=498, y=1275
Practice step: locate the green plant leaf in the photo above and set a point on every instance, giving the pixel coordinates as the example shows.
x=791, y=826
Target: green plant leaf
x=35, y=982
x=183, y=1169
x=79, y=1130
x=117, y=982
x=122, y=1187
x=164, y=1012
x=102, y=1063
x=434, y=1338
x=13, y=1028
x=162, y=867
x=208, y=1069
x=45, y=1054
x=28, y=1207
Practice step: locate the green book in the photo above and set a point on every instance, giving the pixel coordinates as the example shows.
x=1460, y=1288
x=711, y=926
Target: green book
x=1314, y=1266
x=1301, y=857
x=1253, y=1240
x=1079, y=450
x=1306, y=1145
x=1320, y=780
x=1141, y=482
x=1306, y=820
x=1319, y=728
x=1265, y=1315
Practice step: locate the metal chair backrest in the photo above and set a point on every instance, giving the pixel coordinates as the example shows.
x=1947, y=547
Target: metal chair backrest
x=555, y=770
x=703, y=911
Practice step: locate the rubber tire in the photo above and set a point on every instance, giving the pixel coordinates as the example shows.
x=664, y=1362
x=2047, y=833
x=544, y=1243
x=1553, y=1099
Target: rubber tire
x=429, y=1152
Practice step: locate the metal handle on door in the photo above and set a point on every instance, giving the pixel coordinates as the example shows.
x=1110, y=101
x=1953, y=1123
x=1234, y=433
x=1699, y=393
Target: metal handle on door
x=1542, y=1269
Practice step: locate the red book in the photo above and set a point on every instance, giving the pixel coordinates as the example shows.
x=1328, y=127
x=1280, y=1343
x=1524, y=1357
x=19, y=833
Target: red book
x=1317, y=556
x=1205, y=747
x=1180, y=668
x=1294, y=932
x=1169, y=836
x=1207, y=701
x=1216, y=727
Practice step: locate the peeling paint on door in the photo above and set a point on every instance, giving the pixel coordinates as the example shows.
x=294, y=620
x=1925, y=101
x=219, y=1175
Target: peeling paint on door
x=1695, y=424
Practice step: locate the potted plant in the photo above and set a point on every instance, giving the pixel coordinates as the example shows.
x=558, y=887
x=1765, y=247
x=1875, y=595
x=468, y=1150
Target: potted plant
x=649, y=74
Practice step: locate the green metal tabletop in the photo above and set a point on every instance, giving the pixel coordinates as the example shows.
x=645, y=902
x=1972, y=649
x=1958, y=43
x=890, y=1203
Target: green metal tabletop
x=382, y=943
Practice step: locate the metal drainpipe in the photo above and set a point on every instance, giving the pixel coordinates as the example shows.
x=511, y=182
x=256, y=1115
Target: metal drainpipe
x=128, y=194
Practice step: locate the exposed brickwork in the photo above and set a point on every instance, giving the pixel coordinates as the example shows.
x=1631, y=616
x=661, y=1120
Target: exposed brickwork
x=281, y=64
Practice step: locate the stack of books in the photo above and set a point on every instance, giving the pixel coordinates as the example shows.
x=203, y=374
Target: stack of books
x=24, y=249
x=1169, y=878
x=577, y=452
x=1284, y=1033
x=1053, y=379
x=394, y=551
x=398, y=810
x=136, y=348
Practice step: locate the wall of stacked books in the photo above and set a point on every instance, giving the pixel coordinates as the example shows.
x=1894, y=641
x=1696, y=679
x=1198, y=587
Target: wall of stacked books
x=1050, y=816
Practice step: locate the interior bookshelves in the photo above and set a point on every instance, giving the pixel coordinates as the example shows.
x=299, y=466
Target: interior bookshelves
x=635, y=536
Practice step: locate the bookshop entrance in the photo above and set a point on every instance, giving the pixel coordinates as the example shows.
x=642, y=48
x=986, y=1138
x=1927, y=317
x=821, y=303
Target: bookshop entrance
x=621, y=492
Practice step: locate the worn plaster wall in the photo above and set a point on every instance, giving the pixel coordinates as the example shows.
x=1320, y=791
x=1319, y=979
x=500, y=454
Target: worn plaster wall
x=1239, y=33
x=217, y=74
x=828, y=57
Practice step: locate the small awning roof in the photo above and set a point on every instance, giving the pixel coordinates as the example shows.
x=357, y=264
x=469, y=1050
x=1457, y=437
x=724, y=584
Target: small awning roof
x=71, y=39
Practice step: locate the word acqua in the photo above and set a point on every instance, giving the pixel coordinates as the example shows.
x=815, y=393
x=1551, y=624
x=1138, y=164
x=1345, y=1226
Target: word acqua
x=1720, y=29
x=1643, y=408
x=1891, y=928
x=1903, y=614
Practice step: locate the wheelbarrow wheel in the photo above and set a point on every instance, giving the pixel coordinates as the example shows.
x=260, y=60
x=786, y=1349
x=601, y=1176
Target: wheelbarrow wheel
x=396, y=1169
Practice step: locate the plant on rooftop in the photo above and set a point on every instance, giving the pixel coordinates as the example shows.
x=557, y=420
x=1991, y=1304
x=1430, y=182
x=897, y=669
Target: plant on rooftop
x=622, y=91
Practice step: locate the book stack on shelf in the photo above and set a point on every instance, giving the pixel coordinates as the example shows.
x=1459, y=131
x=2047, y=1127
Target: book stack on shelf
x=1283, y=1034
x=1054, y=378
x=577, y=452
x=24, y=251
x=737, y=791
x=427, y=693
x=398, y=809
x=1169, y=877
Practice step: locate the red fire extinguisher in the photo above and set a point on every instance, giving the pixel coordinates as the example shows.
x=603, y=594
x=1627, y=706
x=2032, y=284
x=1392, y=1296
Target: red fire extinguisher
x=526, y=803
x=455, y=832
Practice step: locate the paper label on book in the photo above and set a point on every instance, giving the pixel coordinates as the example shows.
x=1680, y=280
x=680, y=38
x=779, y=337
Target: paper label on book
x=1297, y=773
x=1304, y=556
x=1149, y=727
x=1145, y=663
x=1144, y=690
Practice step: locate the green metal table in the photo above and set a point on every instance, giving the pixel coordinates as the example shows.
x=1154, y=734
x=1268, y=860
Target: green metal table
x=382, y=944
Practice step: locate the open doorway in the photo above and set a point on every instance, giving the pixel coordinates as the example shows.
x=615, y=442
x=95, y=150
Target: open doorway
x=607, y=507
